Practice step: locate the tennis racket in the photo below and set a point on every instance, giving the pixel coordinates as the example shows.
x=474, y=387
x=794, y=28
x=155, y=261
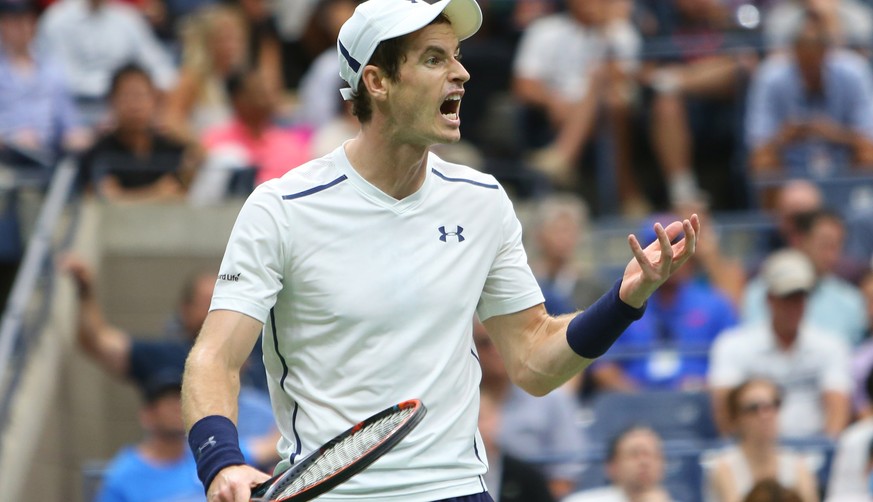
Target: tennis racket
x=343, y=456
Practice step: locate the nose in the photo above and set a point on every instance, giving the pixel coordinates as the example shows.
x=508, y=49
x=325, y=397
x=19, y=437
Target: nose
x=459, y=73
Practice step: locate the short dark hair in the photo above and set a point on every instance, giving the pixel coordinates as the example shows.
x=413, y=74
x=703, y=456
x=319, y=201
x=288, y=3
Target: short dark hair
x=388, y=56
x=806, y=221
x=125, y=71
x=615, y=442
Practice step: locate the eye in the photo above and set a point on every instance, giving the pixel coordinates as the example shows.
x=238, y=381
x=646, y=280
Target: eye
x=459, y=56
x=432, y=60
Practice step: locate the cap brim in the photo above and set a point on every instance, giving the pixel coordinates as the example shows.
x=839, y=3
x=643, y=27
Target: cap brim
x=465, y=16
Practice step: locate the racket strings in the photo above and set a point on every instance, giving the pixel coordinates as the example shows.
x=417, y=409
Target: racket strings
x=345, y=452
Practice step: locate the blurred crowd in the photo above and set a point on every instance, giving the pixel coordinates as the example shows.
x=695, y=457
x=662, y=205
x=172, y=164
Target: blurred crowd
x=585, y=110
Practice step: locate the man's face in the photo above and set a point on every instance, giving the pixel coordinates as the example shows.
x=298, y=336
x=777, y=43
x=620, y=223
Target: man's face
x=16, y=30
x=824, y=244
x=589, y=12
x=254, y=103
x=559, y=236
x=787, y=311
x=423, y=106
x=134, y=102
x=163, y=416
x=810, y=49
x=638, y=462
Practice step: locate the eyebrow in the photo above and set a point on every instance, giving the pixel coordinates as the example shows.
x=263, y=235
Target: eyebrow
x=438, y=50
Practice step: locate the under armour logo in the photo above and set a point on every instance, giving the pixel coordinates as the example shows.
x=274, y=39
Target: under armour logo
x=444, y=235
x=209, y=442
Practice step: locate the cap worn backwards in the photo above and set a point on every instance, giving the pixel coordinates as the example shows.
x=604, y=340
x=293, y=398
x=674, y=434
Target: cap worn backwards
x=378, y=20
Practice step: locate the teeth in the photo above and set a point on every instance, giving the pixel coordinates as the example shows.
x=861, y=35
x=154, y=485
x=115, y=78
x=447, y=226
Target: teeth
x=451, y=116
x=455, y=97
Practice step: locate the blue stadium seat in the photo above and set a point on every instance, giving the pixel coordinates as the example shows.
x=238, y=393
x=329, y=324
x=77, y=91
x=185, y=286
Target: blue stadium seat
x=674, y=415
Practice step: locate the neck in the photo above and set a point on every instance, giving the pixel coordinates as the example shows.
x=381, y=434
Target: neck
x=642, y=494
x=395, y=168
x=785, y=339
x=163, y=449
x=139, y=140
x=255, y=127
x=18, y=55
x=758, y=452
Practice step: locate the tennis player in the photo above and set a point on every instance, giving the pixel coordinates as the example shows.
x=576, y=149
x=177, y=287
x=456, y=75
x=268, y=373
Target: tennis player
x=363, y=269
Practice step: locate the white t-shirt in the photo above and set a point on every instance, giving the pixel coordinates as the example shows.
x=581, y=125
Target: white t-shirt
x=561, y=52
x=368, y=301
x=848, y=476
x=816, y=363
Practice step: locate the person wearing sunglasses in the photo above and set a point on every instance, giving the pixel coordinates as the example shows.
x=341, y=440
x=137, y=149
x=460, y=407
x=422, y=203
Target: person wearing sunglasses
x=753, y=410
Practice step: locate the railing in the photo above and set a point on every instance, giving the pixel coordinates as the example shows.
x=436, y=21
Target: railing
x=16, y=334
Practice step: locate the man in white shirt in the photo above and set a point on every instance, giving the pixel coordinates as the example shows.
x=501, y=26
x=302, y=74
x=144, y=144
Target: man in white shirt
x=810, y=365
x=364, y=268
x=93, y=38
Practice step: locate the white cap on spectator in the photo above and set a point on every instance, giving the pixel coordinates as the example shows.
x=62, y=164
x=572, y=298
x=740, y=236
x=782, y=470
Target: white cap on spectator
x=788, y=271
x=378, y=20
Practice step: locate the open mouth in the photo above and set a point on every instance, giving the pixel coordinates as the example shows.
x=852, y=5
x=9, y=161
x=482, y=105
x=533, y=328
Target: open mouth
x=450, y=107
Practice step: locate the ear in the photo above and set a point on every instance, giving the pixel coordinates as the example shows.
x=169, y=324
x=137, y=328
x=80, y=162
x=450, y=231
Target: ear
x=376, y=82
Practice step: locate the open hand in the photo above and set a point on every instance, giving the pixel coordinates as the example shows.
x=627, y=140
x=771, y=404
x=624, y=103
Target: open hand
x=652, y=266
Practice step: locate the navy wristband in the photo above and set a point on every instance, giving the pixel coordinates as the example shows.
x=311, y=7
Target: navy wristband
x=215, y=443
x=592, y=332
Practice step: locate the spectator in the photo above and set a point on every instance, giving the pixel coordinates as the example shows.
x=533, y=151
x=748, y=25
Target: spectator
x=810, y=365
x=215, y=45
x=753, y=413
x=125, y=357
x=37, y=114
x=850, y=470
x=635, y=466
x=849, y=22
x=770, y=490
x=834, y=304
x=508, y=478
x=93, y=38
x=319, y=107
x=862, y=358
x=531, y=428
x=792, y=199
x=696, y=73
x=561, y=224
x=160, y=466
x=268, y=149
x=810, y=112
x=668, y=348
x=134, y=161
x=567, y=65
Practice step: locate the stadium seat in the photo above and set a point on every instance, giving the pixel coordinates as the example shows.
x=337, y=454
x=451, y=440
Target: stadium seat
x=674, y=415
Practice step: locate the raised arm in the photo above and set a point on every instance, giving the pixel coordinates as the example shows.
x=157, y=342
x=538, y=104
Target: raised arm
x=108, y=345
x=542, y=352
x=210, y=392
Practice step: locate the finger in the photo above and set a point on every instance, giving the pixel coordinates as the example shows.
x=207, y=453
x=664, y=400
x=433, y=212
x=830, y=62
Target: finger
x=688, y=245
x=666, y=257
x=640, y=255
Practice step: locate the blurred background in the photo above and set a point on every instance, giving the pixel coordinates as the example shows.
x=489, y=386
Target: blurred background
x=131, y=131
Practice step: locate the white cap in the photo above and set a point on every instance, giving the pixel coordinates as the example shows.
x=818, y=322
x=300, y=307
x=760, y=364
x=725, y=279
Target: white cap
x=378, y=20
x=788, y=271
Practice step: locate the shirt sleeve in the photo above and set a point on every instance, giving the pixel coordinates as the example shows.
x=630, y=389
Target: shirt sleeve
x=862, y=111
x=725, y=362
x=510, y=286
x=836, y=375
x=253, y=266
x=762, y=120
x=152, y=55
x=529, y=61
